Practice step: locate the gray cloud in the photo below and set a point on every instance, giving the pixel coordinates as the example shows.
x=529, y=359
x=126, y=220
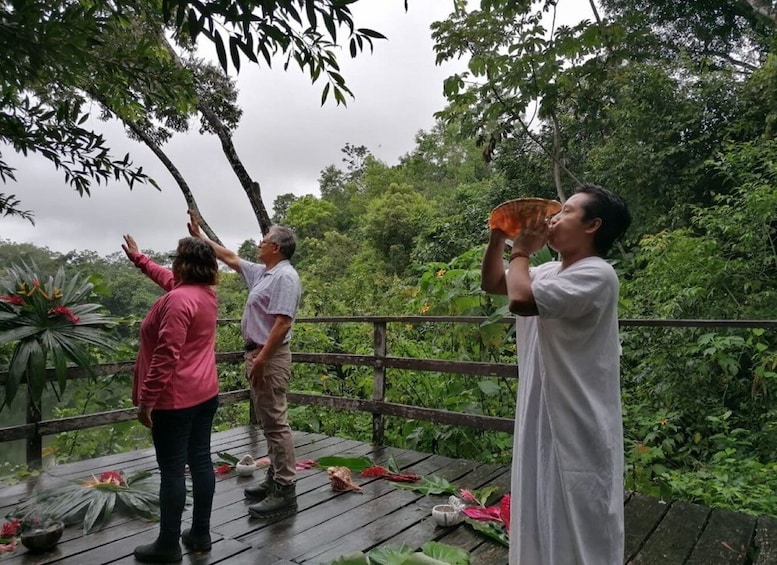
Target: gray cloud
x=285, y=139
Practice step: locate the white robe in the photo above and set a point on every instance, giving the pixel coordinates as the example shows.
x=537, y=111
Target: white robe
x=567, y=474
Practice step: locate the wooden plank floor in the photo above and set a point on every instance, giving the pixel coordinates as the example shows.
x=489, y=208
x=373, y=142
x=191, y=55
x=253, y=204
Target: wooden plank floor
x=330, y=524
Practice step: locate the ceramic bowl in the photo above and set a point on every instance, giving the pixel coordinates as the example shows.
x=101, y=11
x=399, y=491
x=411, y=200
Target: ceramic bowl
x=245, y=470
x=38, y=540
x=446, y=515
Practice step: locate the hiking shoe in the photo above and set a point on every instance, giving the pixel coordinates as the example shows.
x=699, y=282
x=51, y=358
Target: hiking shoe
x=263, y=489
x=281, y=502
x=195, y=542
x=156, y=553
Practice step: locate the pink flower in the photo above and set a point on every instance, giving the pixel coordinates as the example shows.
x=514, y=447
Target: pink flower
x=467, y=496
x=304, y=464
x=12, y=299
x=8, y=546
x=497, y=513
x=490, y=514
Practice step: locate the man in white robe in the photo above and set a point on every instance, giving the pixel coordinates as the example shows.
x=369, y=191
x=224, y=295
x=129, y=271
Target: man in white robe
x=567, y=474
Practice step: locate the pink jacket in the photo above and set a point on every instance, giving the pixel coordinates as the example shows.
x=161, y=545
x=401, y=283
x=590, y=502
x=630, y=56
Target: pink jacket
x=176, y=364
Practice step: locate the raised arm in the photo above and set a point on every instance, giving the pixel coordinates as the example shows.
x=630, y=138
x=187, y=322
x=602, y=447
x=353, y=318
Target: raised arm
x=227, y=256
x=492, y=270
x=533, y=235
x=160, y=275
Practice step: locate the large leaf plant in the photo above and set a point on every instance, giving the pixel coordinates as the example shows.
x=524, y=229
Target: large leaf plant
x=49, y=322
x=92, y=502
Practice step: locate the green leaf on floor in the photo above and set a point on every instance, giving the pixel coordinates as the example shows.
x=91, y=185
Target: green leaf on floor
x=352, y=463
x=446, y=553
x=430, y=484
x=432, y=553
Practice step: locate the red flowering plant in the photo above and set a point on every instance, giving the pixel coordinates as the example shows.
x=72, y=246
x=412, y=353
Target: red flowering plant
x=8, y=533
x=49, y=321
x=492, y=521
x=92, y=501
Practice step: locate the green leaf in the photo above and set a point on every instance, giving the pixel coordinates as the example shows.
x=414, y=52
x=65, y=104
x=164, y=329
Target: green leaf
x=446, y=553
x=488, y=387
x=428, y=485
x=492, y=530
x=355, y=558
x=227, y=458
x=352, y=463
x=390, y=554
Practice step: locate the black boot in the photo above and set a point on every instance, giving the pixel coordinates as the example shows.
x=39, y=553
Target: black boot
x=158, y=553
x=281, y=502
x=263, y=489
x=195, y=542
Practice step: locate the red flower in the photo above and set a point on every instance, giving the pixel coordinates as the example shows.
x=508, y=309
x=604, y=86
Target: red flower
x=12, y=299
x=10, y=529
x=223, y=469
x=65, y=311
x=504, y=512
x=490, y=514
x=114, y=477
x=497, y=513
x=376, y=471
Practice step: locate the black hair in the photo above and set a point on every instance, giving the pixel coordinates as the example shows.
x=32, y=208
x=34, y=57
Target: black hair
x=611, y=209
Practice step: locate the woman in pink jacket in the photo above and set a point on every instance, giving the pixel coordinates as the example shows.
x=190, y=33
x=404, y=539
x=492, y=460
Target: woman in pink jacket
x=176, y=390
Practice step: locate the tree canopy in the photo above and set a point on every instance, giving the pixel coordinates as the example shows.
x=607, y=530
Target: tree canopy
x=60, y=53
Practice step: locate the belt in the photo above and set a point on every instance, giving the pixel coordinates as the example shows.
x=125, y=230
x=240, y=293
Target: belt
x=250, y=346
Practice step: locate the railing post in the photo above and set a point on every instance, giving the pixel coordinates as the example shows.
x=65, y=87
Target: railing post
x=34, y=443
x=379, y=380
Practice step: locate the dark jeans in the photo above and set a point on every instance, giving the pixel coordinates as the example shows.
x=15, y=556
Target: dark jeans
x=181, y=437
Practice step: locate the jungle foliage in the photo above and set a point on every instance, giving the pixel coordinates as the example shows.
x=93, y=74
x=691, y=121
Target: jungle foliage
x=675, y=113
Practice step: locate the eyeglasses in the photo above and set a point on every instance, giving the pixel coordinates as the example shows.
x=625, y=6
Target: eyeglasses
x=266, y=241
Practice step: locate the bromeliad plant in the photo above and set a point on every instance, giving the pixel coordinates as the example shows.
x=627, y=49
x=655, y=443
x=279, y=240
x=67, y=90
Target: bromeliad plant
x=92, y=502
x=50, y=322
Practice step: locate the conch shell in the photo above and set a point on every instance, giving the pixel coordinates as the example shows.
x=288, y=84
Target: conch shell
x=509, y=215
x=341, y=479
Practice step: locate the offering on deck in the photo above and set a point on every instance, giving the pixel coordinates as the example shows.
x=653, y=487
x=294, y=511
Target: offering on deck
x=341, y=479
x=509, y=215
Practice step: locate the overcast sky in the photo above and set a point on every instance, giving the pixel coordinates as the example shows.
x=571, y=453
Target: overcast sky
x=285, y=139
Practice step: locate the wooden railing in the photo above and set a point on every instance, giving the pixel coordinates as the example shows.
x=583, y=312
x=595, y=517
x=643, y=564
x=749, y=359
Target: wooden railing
x=36, y=428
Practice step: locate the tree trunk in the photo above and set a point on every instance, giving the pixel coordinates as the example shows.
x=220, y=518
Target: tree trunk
x=169, y=165
x=251, y=187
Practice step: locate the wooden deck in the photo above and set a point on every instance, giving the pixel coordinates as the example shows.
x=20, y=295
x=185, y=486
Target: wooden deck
x=330, y=524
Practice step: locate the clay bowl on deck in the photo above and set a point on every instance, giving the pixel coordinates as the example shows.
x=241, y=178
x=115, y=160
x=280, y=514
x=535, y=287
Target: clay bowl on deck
x=446, y=515
x=38, y=539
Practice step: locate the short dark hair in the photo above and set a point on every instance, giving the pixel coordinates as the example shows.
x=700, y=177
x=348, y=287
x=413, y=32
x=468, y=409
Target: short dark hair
x=284, y=237
x=611, y=209
x=197, y=263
